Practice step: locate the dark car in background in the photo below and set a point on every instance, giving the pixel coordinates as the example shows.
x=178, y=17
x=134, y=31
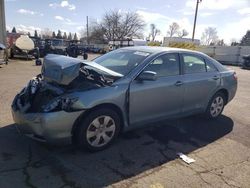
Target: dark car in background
x=91, y=103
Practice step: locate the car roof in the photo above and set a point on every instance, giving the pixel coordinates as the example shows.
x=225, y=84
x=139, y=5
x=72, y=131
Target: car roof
x=158, y=49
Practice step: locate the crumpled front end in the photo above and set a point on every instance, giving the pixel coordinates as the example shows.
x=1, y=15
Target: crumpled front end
x=35, y=115
x=50, y=104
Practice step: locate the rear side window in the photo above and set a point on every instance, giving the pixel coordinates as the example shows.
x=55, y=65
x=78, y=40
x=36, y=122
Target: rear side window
x=211, y=67
x=193, y=64
x=165, y=65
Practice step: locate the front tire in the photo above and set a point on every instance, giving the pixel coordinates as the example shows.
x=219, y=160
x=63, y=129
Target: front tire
x=215, y=106
x=98, y=130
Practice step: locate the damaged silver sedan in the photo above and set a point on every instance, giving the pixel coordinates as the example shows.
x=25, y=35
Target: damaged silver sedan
x=90, y=103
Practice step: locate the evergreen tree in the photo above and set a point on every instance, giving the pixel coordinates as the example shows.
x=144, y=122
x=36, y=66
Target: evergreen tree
x=69, y=36
x=59, y=34
x=53, y=35
x=13, y=30
x=64, y=35
x=75, y=37
x=245, y=41
x=35, y=34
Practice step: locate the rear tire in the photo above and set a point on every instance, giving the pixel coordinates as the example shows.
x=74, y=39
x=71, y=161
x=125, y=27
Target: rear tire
x=215, y=106
x=98, y=129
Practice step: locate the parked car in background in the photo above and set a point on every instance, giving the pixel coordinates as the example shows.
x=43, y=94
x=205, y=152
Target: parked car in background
x=91, y=103
x=246, y=62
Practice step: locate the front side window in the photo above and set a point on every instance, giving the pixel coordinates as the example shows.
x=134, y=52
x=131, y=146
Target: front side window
x=193, y=64
x=165, y=65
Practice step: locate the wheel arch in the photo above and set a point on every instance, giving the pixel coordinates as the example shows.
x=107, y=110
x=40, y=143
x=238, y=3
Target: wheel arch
x=87, y=112
x=225, y=92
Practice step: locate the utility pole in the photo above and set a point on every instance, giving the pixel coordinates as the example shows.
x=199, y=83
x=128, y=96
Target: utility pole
x=2, y=23
x=195, y=17
x=87, y=26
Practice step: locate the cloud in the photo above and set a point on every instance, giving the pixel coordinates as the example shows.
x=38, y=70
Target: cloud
x=141, y=8
x=29, y=12
x=206, y=14
x=63, y=4
x=187, y=13
x=152, y=16
x=67, y=5
x=162, y=22
x=59, y=18
x=66, y=21
x=244, y=11
x=217, y=4
x=25, y=29
x=234, y=30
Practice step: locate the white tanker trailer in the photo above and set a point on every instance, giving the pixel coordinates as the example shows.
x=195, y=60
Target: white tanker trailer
x=23, y=47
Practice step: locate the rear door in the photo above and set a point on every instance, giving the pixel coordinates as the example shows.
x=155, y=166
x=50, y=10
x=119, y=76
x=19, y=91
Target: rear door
x=201, y=79
x=155, y=100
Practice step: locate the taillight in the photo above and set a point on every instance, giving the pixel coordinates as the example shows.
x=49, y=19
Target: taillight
x=235, y=76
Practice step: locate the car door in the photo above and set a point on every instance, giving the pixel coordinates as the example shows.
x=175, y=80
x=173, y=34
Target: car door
x=201, y=79
x=155, y=100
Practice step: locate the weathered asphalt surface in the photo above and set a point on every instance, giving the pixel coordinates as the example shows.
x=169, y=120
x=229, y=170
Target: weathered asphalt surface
x=142, y=158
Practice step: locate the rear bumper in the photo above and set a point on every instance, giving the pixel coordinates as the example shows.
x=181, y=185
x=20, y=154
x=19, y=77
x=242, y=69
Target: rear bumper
x=232, y=92
x=53, y=127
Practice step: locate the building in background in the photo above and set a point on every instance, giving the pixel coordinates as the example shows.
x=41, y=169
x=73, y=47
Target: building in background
x=177, y=42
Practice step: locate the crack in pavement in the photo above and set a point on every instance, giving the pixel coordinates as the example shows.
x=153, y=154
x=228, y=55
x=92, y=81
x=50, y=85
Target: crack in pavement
x=25, y=169
x=213, y=171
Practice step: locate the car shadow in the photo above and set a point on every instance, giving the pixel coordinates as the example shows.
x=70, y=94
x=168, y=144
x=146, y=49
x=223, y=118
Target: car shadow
x=133, y=153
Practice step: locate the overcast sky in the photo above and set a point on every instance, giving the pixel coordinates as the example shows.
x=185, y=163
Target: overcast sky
x=230, y=17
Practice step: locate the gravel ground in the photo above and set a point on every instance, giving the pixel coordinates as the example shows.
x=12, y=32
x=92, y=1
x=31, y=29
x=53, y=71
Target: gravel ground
x=142, y=158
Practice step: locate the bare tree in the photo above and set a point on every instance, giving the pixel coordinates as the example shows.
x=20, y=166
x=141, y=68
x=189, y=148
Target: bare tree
x=173, y=29
x=96, y=33
x=182, y=33
x=118, y=25
x=220, y=43
x=153, y=32
x=234, y=42
x=209, y=36
x=46, y=33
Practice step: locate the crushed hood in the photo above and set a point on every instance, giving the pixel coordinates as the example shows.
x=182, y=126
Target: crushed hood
x=63, y=70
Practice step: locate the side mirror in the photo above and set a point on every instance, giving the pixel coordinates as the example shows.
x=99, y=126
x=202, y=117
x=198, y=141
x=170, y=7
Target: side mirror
x=147, y=75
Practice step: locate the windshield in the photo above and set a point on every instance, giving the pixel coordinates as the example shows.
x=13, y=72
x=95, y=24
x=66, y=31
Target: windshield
x=57, y=42
x=122, y=60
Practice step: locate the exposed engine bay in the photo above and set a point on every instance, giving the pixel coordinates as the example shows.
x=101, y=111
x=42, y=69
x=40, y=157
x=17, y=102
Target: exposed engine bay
x=46, y=92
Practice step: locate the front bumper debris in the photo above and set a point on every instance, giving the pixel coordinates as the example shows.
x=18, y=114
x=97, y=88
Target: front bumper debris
x=52, y=127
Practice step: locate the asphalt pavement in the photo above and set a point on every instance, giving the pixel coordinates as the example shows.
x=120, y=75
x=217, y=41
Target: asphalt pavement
x=142, y=158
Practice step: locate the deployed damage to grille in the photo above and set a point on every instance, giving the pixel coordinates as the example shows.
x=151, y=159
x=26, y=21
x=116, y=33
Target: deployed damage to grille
x=61, y=76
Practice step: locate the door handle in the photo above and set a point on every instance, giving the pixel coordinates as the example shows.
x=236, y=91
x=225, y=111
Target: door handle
x=178, y=83
x=216, y=77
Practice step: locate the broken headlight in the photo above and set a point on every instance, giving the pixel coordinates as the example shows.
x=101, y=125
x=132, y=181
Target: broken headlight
x=60, y=104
